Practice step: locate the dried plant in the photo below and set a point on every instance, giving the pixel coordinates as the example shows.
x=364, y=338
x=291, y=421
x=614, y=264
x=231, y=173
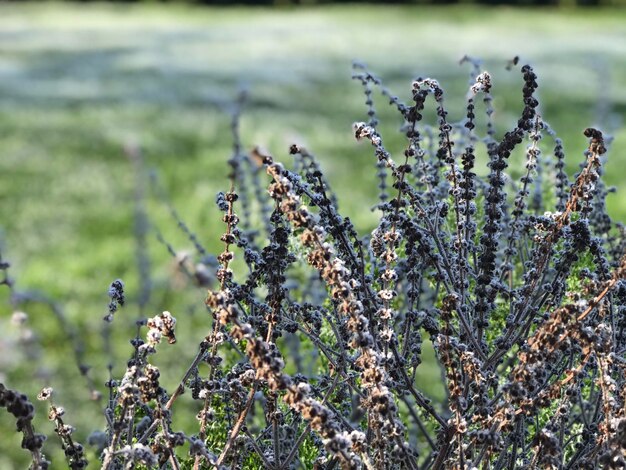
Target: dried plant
x=518, y=284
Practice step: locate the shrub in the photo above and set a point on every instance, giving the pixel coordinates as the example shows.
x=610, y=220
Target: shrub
x=317, y=331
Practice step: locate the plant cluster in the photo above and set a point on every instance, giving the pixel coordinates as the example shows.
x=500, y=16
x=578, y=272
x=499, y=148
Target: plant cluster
x=316, y=332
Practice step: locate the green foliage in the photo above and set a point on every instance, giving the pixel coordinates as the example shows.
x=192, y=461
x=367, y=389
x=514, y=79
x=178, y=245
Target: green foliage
x=575, y=282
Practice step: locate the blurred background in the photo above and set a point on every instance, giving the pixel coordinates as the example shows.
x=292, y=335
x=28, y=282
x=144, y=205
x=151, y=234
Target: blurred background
x=113, y=114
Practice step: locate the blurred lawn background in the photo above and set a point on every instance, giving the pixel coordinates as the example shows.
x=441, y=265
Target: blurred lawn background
x=78, y=83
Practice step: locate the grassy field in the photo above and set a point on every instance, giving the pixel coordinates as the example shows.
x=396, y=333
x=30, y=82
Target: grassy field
x=79, y=83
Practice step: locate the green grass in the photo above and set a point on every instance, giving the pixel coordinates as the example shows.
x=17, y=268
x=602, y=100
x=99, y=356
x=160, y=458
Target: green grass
x=79, y=82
